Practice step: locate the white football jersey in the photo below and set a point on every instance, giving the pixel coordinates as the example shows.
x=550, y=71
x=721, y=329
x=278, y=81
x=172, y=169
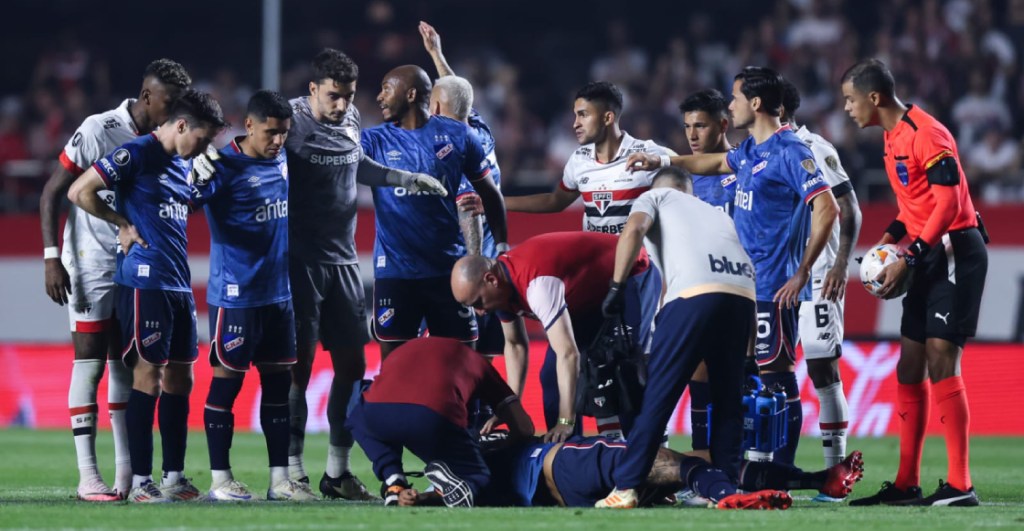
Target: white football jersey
x=90, y=241
x=827, y=159
x=609, y=190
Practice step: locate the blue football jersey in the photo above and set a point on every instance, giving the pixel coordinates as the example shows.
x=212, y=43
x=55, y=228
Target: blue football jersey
x=483, y=132
x=153, y=192
x=418, y=234
x=718, y=191
x=246, y=205
x=775, y=182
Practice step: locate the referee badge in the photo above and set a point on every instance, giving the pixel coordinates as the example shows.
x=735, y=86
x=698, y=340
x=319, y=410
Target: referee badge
x=808, y=166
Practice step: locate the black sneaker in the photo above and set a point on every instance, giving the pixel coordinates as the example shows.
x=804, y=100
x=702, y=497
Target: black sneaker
x=890, y=495
x=950, y=496
x=391, y=491
x=346, y=487
x=454, y=490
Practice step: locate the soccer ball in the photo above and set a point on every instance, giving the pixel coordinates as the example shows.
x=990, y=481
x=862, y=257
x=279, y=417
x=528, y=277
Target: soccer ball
x=874, y=262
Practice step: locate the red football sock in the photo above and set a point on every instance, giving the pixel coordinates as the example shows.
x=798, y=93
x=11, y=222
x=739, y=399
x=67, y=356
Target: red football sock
x=913, y=408
x=951, y=399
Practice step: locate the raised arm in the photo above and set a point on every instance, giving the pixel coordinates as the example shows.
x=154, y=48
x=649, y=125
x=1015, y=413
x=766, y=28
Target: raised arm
x=703, y=164
x=432, y=43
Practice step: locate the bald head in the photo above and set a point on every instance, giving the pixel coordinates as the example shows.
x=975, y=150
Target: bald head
x=412, y=77
x=467, y=275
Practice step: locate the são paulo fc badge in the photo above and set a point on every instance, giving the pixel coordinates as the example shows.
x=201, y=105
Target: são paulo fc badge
x=602, y=200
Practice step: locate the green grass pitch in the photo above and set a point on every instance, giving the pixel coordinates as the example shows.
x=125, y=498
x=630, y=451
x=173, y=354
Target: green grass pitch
x=38, y=476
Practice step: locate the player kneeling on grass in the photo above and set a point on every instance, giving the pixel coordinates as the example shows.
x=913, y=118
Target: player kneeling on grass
x=419, y=402
x=579, y=473
x=151, y=177
x=244, y=188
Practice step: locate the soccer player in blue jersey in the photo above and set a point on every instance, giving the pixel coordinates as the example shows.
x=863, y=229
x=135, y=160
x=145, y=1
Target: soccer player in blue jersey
x=784, y=211
x=418, y=238
x=151, y=176
x=245, y=193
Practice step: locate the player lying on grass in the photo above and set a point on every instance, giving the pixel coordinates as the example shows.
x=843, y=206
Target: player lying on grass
x=579, y=472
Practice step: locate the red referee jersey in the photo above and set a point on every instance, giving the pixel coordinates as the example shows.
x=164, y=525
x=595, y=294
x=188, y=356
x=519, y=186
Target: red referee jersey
x=917, y=143
x=440, y=373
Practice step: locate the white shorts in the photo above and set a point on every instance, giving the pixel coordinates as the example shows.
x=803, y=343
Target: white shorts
x=93, y=298
x=821, y=326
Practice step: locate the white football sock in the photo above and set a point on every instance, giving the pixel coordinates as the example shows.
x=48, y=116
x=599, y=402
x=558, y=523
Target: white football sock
x=119, y=388
x=220, y=477
x=85, y=378
x=833, y=420
x=278, y=474
x=295, y=469
x=172, y=476
x=337, y=460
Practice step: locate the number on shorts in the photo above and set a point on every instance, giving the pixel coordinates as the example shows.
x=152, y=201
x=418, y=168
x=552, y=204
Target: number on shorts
x=821, y=315
x=764, y=325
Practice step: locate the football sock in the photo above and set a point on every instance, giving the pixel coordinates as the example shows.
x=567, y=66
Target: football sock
x=297, y=431
x=700, y=397
x=274, y=416
x=710, y=482
x=337, y=460
x=85, y=377
x=219, y=421
x=913, y=407
x=171, y=477
x=119, y=388
x=955, y=416
x=609, y=427
x=278, y=474
x=219, y=477
x=833, y=420
x=173, y=413
x=760, y=475
x=139, y=417
x=794, y=414
x=337, y=406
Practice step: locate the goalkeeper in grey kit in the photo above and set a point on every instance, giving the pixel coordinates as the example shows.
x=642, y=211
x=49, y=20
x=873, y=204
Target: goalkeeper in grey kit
x=325, y=161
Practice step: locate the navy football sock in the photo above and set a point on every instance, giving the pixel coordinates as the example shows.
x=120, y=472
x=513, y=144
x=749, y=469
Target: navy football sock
x=220, y=421
x=274, y=416
x=139, y=418
x=704, y=479
x=173, y=412
x=700, y=397
x=794, y=414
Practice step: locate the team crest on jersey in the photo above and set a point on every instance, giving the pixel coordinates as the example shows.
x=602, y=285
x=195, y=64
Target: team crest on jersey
x=728, y=180
x=351, y=132
x=385, y=317
x=234, y=343
x=758, y=167
x=444, y=150
x=283, y=168
x=832, y=163
x=809, y=166
x=602, y=200
x=121, y=157
x=902, y=173
x=150, y=339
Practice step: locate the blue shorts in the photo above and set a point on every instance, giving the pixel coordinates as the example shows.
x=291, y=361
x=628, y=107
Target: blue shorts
x=264, y=335
x=583, y=469
x=492, y=337
x=160, y=325
x=776, y=333
x=401, y=305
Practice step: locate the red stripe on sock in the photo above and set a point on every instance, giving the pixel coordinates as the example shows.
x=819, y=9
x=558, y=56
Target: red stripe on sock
x=913, y=407
x=955, y=416
x=833, y=425
x=117, y=406
x=81, y=410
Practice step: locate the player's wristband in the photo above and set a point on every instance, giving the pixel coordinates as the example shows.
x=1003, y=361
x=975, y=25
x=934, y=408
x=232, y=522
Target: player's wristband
x=666, y=161
x=897, y=229
x=566, y=421
x=50, y=252
x=916, y=253
x=502, y=247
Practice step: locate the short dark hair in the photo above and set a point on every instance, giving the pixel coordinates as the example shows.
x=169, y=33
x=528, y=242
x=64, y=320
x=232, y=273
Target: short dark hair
x=604, y=93
x=871, y=75
x=762, y=82
x=790, y=97
x=677, y=174
x=333, y=64
x=198, y=109
x=168, y=72
x=268, y=104
x=710, y=101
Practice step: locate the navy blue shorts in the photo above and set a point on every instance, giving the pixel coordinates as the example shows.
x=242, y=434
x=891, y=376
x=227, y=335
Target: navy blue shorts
x=492, y=337
x=264, y=335
x=401, y=305
x=160, y=325
x=776, y=332
x=583, y=469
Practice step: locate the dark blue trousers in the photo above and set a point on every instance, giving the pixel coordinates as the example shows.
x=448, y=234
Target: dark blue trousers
x=714, y=328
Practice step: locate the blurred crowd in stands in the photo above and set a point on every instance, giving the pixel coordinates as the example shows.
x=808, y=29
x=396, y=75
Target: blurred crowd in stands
x=959, y=59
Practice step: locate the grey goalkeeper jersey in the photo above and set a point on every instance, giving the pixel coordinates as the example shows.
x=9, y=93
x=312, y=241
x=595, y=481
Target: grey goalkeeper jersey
x=322, y=163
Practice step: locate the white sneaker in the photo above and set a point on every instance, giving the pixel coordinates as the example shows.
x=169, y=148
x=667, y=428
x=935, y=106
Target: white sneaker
x=619, y=499
x=689, y=498
x=183, y=490
x=95, y=490
x=291, y=490
x=148, y=492
x=230, y=491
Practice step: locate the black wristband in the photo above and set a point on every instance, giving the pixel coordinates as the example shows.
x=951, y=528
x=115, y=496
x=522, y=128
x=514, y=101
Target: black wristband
x=897, y=229
x=614, y=285
x=916, y=253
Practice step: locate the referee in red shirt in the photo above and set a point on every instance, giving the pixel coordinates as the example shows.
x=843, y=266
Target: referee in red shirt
x=948, y=263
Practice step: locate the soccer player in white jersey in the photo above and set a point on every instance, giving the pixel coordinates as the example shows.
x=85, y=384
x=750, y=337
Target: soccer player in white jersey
x=597, y=170
x=821, y=318
x=82, y=276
